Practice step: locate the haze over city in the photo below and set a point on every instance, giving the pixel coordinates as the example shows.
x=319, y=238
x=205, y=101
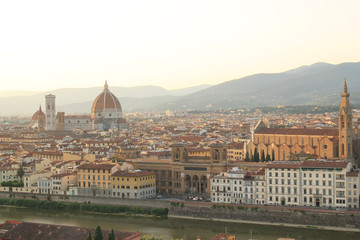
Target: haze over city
x=48, y=45
x=180, y=120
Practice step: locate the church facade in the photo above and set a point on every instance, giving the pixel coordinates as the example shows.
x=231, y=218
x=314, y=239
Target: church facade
x=283, y=144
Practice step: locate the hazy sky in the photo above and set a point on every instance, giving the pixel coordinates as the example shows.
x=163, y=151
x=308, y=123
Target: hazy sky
x=45, y=45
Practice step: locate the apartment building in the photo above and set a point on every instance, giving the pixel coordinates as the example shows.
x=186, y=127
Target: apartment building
x=283, y=183
x=324, y=183
x=353, y=182
x=234, y=186
x=61, y=182
x=260, y=186
x=312, y=183
x=133, y=184
x=95, y=179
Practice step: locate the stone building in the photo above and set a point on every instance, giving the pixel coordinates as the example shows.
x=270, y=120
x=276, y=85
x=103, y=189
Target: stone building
x=106, y=111
x=283, y=144
x=183, y=174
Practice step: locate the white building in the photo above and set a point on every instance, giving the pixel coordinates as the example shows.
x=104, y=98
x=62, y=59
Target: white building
x=283, y=183
x=44, y=185
x=352, y=189
x=234, y=186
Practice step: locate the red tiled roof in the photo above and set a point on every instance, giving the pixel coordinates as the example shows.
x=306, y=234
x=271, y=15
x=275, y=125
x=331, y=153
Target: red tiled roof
x=299, y=131
x=96, y=166
x=324, y=164
x=132, y=174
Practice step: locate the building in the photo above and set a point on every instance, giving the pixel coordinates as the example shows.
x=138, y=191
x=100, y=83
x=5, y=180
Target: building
x=315, y=183
x=44, y=185
x=283, y=181
x=260, y=186
x=352, y=186
x=324, y=183
x=60, y=183
x=234, y=186
x=50, y=112
x=183, y=174
x=106, y=111
x=236, y=151
x=95, y=179
x=134, y=184
x=38, y=120
x=283, y=144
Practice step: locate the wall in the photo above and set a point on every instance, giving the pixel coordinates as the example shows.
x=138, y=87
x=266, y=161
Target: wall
x=338, y=219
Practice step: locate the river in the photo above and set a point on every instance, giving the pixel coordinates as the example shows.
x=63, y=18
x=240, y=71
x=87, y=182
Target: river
x=169, y=228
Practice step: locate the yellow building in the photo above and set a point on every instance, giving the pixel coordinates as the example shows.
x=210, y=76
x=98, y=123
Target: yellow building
x=133, y=184
x=95, y=179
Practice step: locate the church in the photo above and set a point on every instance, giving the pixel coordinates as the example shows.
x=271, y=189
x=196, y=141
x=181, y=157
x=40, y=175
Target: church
x=284, y=144
x=106, y=113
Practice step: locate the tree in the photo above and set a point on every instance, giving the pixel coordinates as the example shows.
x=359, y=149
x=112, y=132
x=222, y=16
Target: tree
x=273, y=155
x=262, y=156
x=247, y=157
x=89, y=236
x=98, y=234
x=256, y=155
x=20, y=172
x=268, y=159
x=111, y=235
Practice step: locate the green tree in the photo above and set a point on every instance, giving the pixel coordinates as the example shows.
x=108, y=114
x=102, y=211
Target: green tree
x=262, y=156
x=273, y=155
x=268, y=159
x=111, y=235
x=20, y=172
x=98, y=234
x=89, y=236
x=256, y=156
x=247, y=157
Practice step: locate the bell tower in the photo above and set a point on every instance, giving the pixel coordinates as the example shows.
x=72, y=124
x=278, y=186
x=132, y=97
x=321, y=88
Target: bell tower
x=345, y=127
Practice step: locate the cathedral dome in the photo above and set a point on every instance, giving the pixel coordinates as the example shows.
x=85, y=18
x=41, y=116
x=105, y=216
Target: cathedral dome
x=106, y=105
x=38, y=114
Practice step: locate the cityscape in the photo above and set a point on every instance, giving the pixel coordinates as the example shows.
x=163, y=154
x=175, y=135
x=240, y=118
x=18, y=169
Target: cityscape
x=169, y=147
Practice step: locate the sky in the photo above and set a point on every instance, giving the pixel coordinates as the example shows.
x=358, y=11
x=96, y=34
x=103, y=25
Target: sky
x=46, y=45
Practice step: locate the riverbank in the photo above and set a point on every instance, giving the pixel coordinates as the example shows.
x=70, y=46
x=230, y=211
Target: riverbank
x=338, y=229
x=83, y=207
x=343, y=221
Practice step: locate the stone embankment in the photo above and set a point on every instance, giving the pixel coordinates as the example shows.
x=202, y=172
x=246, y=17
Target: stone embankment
x=343, y=219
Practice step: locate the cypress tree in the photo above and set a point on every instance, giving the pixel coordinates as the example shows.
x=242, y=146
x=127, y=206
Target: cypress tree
x=247, y=158
x=262, y=156
x=98, y=234
x=256, y=155
x=268, y=159
x=273, y=155
x=89, y=236
x=111, y=235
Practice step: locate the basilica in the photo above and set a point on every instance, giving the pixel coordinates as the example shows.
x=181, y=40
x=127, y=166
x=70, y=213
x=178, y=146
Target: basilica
x=283, y=144
x=106, y=113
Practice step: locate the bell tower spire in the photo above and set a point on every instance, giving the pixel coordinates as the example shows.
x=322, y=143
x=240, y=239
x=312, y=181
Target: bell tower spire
x=345, y=127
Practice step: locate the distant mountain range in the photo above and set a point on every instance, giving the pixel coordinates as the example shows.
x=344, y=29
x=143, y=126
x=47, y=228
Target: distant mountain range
x=317, y=84
x=79, y=100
